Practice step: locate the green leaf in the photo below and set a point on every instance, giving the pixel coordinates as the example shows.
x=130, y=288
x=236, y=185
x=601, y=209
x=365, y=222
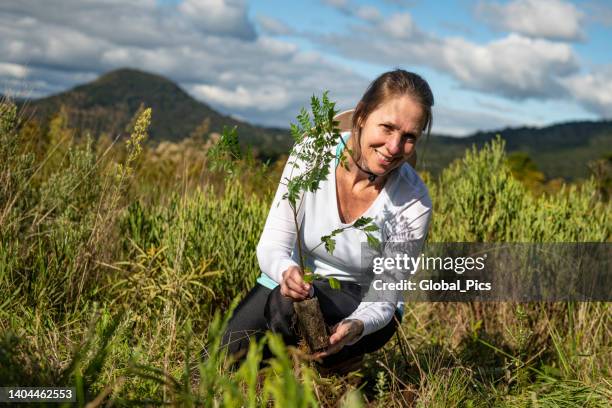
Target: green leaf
x=330, y=244
x=334, y=283
x=308, y=278
x=373, y=241
x=362, y=222
x=371, y=228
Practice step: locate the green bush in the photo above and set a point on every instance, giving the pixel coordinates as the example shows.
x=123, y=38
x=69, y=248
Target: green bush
x=478, y=200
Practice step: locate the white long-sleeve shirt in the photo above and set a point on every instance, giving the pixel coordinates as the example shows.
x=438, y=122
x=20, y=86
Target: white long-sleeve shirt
x=401, y=211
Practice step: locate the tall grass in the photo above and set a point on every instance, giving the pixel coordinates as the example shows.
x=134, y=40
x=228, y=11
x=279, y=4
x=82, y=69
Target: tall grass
x=117, y=280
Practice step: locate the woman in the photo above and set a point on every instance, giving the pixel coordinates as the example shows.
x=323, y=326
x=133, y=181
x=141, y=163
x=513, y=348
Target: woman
x=391, y=116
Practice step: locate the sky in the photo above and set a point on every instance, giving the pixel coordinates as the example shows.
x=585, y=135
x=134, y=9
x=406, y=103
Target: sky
x=490, y=64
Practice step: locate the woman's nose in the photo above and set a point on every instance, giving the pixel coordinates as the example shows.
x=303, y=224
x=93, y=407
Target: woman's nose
x=394, y=145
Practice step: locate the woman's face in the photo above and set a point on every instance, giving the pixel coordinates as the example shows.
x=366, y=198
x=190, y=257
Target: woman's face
x=389, y=134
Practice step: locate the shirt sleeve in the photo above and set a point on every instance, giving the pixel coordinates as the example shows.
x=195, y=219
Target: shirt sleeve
x=409, y=233
x=277, y=241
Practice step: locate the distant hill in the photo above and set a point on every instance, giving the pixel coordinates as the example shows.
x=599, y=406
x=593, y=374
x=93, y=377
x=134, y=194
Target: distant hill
x=109, y=103
x=559, y=150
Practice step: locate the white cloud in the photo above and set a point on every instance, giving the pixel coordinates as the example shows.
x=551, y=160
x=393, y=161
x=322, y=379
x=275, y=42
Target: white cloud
x=277, y=47
x=14, y=80
x=13, y=70
x=219, y=16
x=339, y=4
x=399, y=26
x=551, y=19
x=55, y=45
x=406, y=3
x=260, y=78
x=273, y=26
x=514, y=66
x=263, y=98
x=140, y=23
x=594, y=90
x=368, y=13
x=362, y=12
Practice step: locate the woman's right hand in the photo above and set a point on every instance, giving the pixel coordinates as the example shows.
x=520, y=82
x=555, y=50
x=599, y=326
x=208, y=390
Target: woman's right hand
x=293, y=285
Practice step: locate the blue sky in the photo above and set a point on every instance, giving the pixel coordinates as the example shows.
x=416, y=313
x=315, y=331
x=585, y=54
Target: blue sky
x=490, y=64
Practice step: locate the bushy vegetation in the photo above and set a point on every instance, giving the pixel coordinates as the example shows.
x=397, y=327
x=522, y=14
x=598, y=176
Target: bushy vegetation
x=119, y=264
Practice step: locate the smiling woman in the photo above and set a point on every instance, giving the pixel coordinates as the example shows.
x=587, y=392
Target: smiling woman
x=377, y=182
x=402, y=104
x=392, y=132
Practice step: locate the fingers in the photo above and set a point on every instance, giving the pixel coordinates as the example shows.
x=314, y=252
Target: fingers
x=297, y=284
x=328, y=351
x=290, y=293
x=337, y=340
x=340, y=333
x=293, y=284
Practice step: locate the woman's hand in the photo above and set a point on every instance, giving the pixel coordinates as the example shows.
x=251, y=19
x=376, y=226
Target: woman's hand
x=344, y=332
x=293, y=285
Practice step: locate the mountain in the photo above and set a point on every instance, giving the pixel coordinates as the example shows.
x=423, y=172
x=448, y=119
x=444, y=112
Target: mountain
x=109, y=103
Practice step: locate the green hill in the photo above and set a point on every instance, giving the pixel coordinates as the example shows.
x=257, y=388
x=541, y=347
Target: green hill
x=109, y=103
x=560, y=150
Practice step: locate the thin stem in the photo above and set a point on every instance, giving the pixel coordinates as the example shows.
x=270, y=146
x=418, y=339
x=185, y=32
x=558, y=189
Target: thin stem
x=297, y=232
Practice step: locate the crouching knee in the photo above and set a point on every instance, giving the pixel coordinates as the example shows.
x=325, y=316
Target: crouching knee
x=280, y=316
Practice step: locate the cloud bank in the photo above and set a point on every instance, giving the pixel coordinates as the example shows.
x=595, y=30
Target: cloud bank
x=240, y=66
x=533, y=60
x=209, y=47
x=550, y=19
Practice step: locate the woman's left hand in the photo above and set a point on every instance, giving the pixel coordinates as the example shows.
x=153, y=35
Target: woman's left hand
x=344, y=332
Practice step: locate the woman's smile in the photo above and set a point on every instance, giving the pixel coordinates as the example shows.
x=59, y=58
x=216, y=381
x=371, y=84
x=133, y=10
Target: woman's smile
x=384, y=160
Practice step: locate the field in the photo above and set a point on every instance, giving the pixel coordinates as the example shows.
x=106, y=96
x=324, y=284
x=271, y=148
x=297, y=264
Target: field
x=119, y=262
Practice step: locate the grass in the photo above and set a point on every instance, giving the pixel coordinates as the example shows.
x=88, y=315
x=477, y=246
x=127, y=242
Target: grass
x=118, y=280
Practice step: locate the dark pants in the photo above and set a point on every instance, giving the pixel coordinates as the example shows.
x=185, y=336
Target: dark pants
x=265, y=309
